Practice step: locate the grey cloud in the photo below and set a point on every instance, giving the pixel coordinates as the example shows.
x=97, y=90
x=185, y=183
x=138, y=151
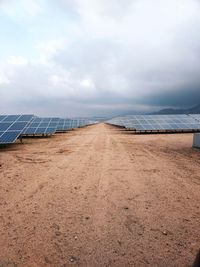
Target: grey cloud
x=185, y=98
x=139, y=55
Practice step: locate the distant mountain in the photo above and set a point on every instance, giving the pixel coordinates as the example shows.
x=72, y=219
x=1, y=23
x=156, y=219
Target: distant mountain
x=193, y=110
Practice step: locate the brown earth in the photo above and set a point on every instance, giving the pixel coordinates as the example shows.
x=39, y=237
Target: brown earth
x=100, y=196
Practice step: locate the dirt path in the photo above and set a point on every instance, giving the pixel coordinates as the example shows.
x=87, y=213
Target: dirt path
x=99, y=196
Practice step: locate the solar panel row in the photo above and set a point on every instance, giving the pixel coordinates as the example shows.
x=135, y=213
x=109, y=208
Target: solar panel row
x=48, y=126
x=158, y=123
x=67, y=124
x=14, y=126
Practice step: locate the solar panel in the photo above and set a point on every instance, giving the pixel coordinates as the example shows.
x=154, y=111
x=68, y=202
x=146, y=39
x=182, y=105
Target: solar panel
x=68, y=124
x=11, y=127
x=195, y=116
x=41, y=126
x=76, y=123
x=158, y=123
x=64, y=125
x=2, y=117
x=80, y=122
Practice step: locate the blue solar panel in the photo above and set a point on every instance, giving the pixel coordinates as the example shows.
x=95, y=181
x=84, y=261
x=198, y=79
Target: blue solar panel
x=18, y=126
x=11, y=118
x=50, y=130
x=25, y=118
x=42, y=126
x=4, y=126
x=67, y=124
x=9, y=137
x=64, y=125
x=41, y=130
x=2, y=117
x=11, y=127
x=76, y=123
x=29, y=130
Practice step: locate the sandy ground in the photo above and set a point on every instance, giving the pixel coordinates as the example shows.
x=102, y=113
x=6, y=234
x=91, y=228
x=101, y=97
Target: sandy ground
x=100, y=196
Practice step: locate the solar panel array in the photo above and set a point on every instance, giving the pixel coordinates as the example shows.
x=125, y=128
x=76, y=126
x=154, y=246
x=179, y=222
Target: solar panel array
x=76, y=123
x=41, y=126
x=64, y=125
x=68, y=124
x=11, y=127
x=158, y=123
x=15, y=126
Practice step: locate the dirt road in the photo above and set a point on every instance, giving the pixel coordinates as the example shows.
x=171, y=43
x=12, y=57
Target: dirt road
x=99, y=196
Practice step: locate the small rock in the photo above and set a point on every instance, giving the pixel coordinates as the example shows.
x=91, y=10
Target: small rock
x=57, y=233
x=119, y=242
x=164, y=232
x=72, y=259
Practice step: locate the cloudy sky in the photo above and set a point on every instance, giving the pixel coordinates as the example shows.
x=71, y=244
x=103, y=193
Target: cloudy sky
x=98, y=57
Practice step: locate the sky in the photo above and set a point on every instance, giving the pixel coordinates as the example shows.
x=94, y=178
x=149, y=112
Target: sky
x=98, y=57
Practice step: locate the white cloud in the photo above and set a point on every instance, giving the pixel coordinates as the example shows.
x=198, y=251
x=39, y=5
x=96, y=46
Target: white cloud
x=49, y=48
x=3, y=79
x=87, y=83
x=21, y=9
x=17, y=60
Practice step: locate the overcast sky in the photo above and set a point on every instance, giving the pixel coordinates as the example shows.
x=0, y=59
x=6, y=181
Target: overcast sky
x=98, y=57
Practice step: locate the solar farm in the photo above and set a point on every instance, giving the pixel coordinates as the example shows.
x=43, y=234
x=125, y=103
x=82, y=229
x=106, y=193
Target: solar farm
x=13, y=127
x=78, y=192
